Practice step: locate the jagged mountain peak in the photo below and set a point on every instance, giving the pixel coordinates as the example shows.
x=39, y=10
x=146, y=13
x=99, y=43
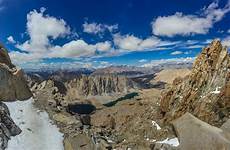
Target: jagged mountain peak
x=211, y=57
x=202, y=91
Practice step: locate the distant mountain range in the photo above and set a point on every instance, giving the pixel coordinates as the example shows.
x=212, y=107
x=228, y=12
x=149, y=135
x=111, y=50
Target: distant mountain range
x=124, y=70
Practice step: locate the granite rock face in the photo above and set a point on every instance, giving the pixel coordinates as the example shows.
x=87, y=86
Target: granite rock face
x=205, y=92
x=81, y=87
x=99, y=85
x=13, y=86
x=196, y=134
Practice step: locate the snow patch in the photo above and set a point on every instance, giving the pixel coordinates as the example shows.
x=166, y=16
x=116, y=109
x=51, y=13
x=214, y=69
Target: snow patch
x=217, y=91
x=172, y=142
x=156, y=125
x=150, y=140
x=38, y=133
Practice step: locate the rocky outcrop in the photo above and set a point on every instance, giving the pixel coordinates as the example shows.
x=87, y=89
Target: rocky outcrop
x=13, y=87
x=7, y=126
x=49, y=93
x=59, y=94
x=196, y=134
x=99, y=85
x=205, y=92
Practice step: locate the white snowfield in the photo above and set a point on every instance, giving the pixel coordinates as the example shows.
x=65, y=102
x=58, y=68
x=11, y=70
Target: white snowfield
x=156, y=125
x=173, y=142
x=38, y=133
x=217, y=91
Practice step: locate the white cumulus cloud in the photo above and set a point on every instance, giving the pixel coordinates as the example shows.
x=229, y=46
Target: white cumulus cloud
x=10, y=39
x=103, y=46
x=176, y=53
x=78, y=48
x=181, y=24
x=131, y=42
x=226, y=41
x=171, y=61
x=96, y=28
x=21, y=58
x=42, y=29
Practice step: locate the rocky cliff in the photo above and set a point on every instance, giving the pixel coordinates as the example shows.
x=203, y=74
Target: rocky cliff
x=205, y=92
x=13, y=87
x=99, y=85
x=58, y=93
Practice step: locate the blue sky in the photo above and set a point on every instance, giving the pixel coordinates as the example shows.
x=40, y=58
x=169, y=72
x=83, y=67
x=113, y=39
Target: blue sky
x=87, y=33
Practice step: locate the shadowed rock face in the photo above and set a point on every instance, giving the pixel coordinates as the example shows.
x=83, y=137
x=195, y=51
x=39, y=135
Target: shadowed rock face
x=12, y=87
x=205, y=91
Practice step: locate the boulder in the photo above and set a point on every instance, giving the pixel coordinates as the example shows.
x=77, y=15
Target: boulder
x=226, y=129
x=78, y=142
x=85, y=119
x=162, y=146
x=226, y=126
x=66, y=119
x=195, y=134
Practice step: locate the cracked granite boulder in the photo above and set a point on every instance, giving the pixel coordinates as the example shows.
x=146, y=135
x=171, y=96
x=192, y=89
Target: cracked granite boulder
x=13, y=86
x=195, y=134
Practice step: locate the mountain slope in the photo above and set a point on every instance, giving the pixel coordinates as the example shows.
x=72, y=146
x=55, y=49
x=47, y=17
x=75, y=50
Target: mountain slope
x=168, y=75
x=205, y=91
x=99, y=85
